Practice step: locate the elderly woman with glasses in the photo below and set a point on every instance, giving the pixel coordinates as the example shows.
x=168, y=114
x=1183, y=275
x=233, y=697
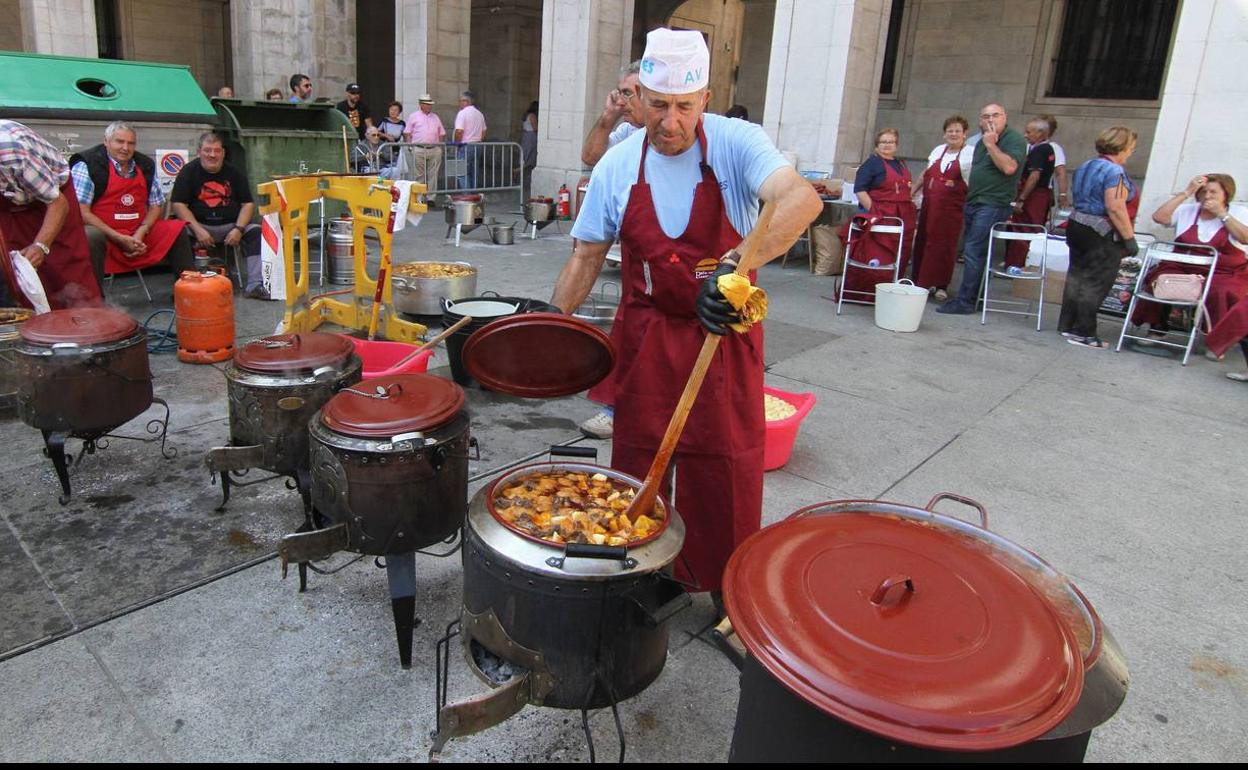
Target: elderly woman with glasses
x=882, y=186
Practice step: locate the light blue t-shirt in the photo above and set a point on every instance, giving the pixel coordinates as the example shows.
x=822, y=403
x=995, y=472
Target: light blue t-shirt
x=740, y=153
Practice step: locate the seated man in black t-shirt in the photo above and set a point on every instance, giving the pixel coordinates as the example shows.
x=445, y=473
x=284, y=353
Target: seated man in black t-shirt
x=214, y=199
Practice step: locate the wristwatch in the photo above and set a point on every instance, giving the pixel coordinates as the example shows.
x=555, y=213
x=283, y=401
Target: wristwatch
x=1224, y=217
x=731, y=257
x=46, y=251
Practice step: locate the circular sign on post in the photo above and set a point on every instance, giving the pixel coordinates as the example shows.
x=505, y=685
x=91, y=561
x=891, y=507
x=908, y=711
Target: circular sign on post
x=171, y=164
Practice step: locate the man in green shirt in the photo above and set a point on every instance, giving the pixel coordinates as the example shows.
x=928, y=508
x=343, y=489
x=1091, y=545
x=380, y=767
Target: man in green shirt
x=997, y=163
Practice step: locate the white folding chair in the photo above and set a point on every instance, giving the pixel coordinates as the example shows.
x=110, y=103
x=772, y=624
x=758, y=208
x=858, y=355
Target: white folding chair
x=886, y=226
x=1013, y=232
x=1159, y=253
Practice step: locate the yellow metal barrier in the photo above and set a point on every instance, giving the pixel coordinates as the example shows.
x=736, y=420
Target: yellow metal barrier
x=368, y=199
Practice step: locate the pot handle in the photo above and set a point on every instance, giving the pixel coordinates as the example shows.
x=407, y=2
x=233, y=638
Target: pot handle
x=574, y=451
x=983, y=512
x=586, y=551
x=888, y=584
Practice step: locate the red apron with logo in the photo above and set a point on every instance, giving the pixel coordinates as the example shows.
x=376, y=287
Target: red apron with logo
x=1230, y=283
x=940, y=225
x=890, y=199
x=719, y=460
x=122, y=207
x=66, y=272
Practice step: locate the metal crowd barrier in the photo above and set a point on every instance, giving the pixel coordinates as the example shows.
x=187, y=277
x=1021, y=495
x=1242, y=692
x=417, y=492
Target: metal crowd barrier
x=477, y=167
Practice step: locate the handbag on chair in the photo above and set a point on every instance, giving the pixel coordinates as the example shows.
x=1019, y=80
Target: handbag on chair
x=1179, y=288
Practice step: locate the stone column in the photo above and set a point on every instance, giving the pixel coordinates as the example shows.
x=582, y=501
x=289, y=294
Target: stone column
x=431, y=51
x=273, y=40
x=59, y=27
x=584, y=45
x=823, y=80
x=1203, y=104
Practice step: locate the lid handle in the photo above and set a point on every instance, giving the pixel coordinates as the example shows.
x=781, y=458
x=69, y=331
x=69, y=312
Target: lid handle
x=891, y=582
x=983, y=512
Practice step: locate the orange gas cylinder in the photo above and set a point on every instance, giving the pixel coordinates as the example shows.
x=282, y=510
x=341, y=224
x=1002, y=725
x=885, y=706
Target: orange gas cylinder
x=204, y=307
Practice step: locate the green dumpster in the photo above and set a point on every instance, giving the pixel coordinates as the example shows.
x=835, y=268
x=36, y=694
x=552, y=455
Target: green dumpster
x=269, y=139
x=63, y=88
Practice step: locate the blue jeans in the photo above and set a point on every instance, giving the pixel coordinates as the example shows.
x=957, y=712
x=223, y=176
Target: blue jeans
x=468, y=153
x=977, y=222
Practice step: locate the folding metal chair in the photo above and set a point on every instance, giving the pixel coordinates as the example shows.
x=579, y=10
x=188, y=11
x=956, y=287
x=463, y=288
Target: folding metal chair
x=109, y=279
x=1159, y=253
x=882, y=225
x=1010, y=232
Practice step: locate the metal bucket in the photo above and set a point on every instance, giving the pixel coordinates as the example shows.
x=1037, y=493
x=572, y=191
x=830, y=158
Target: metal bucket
x=342, y=251
x=503, y=235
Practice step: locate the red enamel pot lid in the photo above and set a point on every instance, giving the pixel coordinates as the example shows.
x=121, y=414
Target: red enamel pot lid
x=539, y=355
x=83, y=326
x=293, y=353
x=385, y=407
x=966, y=656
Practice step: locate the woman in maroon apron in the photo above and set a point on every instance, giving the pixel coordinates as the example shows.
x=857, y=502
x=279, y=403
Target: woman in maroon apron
x=719, y=460
x=123, y=207
x=940, y=219
x=66, y=272
x=1201, y=224
x=883, y=189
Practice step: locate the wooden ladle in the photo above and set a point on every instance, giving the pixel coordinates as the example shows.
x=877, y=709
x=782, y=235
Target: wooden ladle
x=643, y=503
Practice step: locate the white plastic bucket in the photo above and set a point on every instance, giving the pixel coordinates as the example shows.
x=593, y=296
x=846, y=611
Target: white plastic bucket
x=899, y=306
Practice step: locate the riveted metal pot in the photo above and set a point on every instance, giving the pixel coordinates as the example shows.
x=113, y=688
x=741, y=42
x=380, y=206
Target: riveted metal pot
x=589, y=622
x=13, y=318
x=423, y=296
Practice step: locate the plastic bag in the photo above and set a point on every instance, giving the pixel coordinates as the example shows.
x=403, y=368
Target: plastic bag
x=28, y=281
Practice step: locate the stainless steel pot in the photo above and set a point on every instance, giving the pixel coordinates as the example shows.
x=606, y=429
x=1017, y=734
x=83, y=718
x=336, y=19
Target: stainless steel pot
x=600, y=308
x=503, y=235
x=535, y=211
x=9, y=335
x=342, y=251
x=423, y=296
x=465, y=212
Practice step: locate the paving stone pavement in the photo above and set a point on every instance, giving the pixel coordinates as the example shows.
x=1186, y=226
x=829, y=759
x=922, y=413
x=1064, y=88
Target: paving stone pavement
x=140, y=625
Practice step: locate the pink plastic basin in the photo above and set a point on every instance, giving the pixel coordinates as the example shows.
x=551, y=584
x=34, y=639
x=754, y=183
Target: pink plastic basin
x=781, y=434
x=380, y=356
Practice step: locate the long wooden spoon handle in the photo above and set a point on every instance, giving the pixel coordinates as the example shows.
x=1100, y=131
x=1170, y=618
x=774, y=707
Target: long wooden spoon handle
x=448, y=332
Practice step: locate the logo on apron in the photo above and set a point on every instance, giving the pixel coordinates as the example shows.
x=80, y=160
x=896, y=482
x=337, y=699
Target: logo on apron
x=127, y=200
x=705, y=267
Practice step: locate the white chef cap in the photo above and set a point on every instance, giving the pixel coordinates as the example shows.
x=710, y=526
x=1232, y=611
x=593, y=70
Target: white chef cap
x=675, y=62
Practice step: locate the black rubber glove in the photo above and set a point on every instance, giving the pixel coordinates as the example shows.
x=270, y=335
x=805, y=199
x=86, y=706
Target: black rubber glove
x=1131, y=246
x=713, y=310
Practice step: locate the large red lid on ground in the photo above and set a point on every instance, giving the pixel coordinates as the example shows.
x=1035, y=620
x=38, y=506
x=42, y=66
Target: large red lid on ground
x=83, y=326
x=539, y=355
x=903, y=630
x=293, y=353
x=384, y=407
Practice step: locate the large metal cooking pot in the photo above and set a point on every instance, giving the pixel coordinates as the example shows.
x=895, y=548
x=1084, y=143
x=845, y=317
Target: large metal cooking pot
x=483, y=309
x=600, y=308
x=421, y=295
x=276, y=384
x=389, y=463
x=785, y=721
x=536, y=211
x=465, y=210
x=11, y=320
x=587, y=625
x=82, y=371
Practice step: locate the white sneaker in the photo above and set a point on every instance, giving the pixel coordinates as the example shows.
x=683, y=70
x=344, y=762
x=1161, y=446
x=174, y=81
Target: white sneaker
x=601, y=425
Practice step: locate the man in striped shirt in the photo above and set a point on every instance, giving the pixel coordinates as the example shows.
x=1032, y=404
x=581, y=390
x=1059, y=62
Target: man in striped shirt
x=40, y=220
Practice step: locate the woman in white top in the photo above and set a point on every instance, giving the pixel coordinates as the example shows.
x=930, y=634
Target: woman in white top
x=944, y=186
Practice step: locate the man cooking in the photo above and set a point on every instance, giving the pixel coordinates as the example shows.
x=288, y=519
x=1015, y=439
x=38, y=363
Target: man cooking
x=39, y=217
x=678, y=195
x=123, y=206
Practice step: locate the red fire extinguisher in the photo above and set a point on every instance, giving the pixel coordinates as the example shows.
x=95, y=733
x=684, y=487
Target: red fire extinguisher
x=563, y=209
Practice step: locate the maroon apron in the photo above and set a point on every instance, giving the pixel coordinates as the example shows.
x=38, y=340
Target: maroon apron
x=940, y=225
x=890, y=199
x=123, y=207
x=719, y=460
x=1230, y=283
x=1034, y=211
x=66, y=272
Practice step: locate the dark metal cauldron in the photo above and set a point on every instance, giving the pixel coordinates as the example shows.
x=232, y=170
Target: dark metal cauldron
x=82, y=373
x=391, y=495
x=587, y=625
x=275, y=385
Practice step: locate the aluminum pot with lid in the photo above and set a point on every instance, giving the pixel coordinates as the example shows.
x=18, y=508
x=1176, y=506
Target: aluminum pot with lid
x=419, y=288
x=465, y=210
x=928, y=635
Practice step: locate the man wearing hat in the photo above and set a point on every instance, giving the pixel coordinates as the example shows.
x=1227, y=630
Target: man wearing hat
x=356, y=111
x=424, y=127
x=679, y=196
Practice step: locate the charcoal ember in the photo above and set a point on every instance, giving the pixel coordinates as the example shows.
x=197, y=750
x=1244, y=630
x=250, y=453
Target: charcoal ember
x=496, y=669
